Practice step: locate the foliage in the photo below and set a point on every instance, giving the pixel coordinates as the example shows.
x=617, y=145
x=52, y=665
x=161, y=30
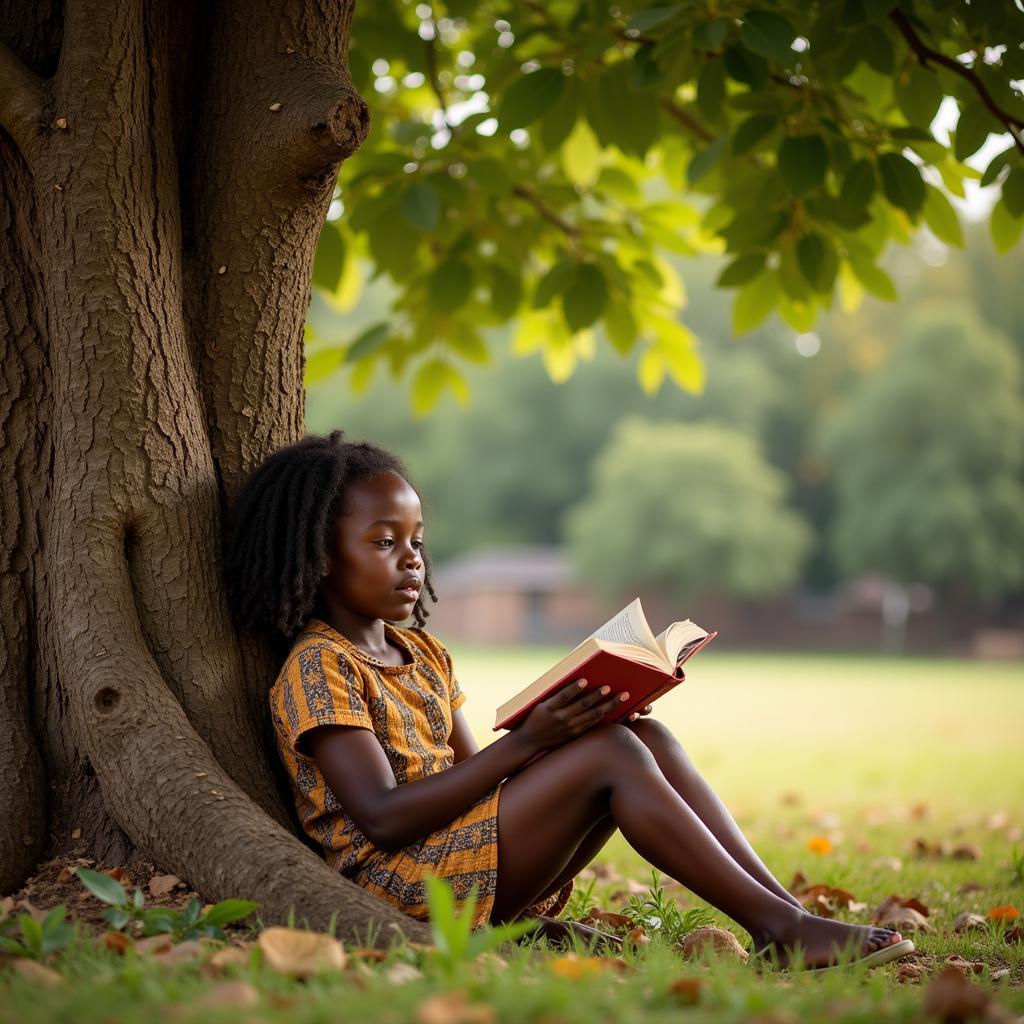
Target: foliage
x=38, y=938
x=190, y=923
x=659, y=912
x=455, y=943
x=530, y=162
x=928, y=459
x=682, y=508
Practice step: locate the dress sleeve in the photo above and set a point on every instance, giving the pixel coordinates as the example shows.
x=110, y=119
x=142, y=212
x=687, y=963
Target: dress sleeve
x=322, y=687
x=456, y=698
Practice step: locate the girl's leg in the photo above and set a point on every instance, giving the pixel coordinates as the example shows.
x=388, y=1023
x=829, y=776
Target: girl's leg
x=684, y=778
x=546, y=809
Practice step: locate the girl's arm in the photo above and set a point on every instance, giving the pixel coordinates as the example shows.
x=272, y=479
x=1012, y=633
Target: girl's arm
x=354, y=765
x=461, y=740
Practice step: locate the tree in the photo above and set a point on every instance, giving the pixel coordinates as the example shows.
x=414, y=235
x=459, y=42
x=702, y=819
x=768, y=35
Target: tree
x=532, y=161
x=165, y=173
x=687, y=510
x=928, y=461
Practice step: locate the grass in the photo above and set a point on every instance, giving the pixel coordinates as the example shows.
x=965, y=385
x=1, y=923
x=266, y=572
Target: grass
x=867, y=753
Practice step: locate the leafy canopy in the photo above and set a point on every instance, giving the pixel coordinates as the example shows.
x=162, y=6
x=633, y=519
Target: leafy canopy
x=545, y=162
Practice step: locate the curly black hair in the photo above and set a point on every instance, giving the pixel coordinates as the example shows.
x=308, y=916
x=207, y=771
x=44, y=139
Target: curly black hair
x=276, y=550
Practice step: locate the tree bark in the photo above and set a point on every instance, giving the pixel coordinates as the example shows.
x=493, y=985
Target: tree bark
x=166, y=168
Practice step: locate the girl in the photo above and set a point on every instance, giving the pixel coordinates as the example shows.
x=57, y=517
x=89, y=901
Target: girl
x=326, y=555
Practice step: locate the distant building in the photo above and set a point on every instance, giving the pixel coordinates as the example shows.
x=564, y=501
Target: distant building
x=512, y=595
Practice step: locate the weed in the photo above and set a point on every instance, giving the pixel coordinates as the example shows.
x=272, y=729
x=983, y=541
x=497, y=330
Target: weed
x=38, y=938
x=659, y=912
x=1017, y=865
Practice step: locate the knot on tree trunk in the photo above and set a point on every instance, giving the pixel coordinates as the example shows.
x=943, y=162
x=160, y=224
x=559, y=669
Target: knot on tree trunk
x=345, y=127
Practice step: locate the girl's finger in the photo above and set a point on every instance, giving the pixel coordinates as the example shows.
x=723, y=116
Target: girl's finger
x=595, y=714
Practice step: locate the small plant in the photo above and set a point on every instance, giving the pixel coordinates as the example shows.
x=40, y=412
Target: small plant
x=659, y=912
x=455, y=943
x=580, y=901
x=38, y=938
x=190, y=923
x=1017, y=865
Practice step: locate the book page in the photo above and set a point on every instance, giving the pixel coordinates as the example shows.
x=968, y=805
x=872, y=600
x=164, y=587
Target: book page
x=677, y=640
x=629, y=627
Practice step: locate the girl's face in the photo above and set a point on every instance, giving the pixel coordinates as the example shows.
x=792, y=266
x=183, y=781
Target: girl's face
x=377, y=563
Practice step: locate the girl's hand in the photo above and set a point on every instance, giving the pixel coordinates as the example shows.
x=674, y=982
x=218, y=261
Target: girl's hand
x=568, y=713
x=636, y=714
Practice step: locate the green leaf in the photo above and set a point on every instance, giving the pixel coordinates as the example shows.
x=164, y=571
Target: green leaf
x=558, y=122
x=320, y=365
x=802, y=162
x=620, y=326
x=711, y=34
x=996, y=164
x=653, y=16
x=918, y=93
x=530, y=96
x=228, y=910
x=103, y=887
x=706, y=158
x=741, y=270
x=972, y=129
x=329, y=260
x=677, y=345
x=490, y=174
x=874, y=279
x=818, y=261
x=751, y=131
x=449, y=285
x=506, y=291
x=554, y=282
x=581, y=156
x=428, y=385
x=368, y=341
x=116, y=917
x=901, y=182
x=585, y=298
x=711, y=89
x=421, y=206
x=755, y=301
x=467, y=343
x=940, y=216
x=745, y=66
x=1013, y=192
x=858, y=185
x=768, y=34
x=1004, y=227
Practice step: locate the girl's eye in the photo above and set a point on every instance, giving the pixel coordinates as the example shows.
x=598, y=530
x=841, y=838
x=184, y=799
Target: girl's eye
x=418, y=543
x=385, y=540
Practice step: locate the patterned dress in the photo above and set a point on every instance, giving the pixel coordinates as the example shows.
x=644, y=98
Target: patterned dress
x=327, y=679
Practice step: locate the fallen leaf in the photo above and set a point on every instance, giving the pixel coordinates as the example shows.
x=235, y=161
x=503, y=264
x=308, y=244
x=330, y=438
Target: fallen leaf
x=76, y=833
x=152, y=945
x=35, y=973
x=799, y=881
x=950, y=996
x=1004, y=913
x=606, y=872
x=970, y=886
x=638, y=936
x=453, y=1008
x=575, y=967
x=182, y=953
x=65, y=876
x=236, y=993
x=688, y=990
x=299, y=954
x=892, y=863
x=161, y=885
x=903, y=914
x=911, y=973
x=790, y=798
x=997, y=820
x=919, y=811
x=632, y=888
x=402, y=974
x=999, y=975
x=608, y=918
x=374, y=955
x=223, y=960
x=119, y=874
x=118, y=942
x=718, y=940
x=967, y=966
x=967, y=920
x=819, y=845
x=1015, y=934
x=966, y=851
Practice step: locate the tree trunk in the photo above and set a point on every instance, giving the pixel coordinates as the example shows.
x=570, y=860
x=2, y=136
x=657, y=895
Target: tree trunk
x=166, y=168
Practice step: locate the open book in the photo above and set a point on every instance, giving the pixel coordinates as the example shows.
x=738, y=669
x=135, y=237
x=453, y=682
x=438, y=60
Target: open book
x=623, y=654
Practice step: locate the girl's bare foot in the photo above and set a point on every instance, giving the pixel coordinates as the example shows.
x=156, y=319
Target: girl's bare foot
x=823, y=942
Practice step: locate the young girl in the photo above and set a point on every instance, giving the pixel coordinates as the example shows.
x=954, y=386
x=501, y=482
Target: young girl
x=326, y=556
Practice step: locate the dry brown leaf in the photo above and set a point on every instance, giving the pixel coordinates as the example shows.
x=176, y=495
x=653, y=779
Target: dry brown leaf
x=299, y=954
x=919, y=811
x=892, y=863
x=575, y=967
x=966, y=851
x=76, y=833
x=1014, y=934
x=116, y=941
x=402, y=974
x=234, y=994
x=35, y=973
x=970, y=886
x=951, y=997
x=374, y=955
x=119, y=874
x=152, y=945
x=688, y=990
x=710, y=938
x=638, y=936
x=608, y=918
x=997, y=820
x=911, y=973
x=966, y=920
x=999, y=975
x=1004, y=913
x=65, y=876
x=182, y=953
x=161, y=885
x=606, y=872
x=630, y=888
x=453, y=1008
x=799, y=882
x=790, y=798
x=967, y=966
x=223, y=960
x=902, y=913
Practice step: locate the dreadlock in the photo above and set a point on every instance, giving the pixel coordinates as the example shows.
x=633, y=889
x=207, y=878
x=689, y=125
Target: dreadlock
x=279, y=531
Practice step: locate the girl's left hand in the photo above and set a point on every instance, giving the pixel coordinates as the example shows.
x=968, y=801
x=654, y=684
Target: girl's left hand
x=636, y=714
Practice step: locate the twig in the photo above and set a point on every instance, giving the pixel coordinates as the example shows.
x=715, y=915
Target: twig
x=22, y=98
x=435, y=82
x=686, y=119
x=545, y=211
x=925, y=54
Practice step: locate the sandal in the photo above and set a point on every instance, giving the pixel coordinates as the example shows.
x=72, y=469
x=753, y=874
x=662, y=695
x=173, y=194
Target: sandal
x=893, y=951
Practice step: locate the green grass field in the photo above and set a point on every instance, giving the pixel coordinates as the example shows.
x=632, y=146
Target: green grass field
x=870, y=754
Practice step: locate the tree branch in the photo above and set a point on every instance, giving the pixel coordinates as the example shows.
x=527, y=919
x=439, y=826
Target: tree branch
x=685, y=119
x=22, y=97
x=925, y=55
x=545, y=211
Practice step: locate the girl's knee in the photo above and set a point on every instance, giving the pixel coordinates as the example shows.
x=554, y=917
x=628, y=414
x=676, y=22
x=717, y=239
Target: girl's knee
x=650, y=729
x=618, y=741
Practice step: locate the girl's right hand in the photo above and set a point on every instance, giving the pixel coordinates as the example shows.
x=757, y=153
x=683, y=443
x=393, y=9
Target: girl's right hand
x=568, y=713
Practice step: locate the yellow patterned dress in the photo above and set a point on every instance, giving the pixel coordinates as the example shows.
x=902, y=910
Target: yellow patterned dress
x=326, y=680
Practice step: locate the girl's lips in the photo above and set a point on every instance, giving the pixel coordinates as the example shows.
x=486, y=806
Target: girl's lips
x=411, y=592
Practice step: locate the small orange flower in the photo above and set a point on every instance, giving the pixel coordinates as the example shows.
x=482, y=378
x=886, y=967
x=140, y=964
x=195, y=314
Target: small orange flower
x=1006, y=913
x=819, y=844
